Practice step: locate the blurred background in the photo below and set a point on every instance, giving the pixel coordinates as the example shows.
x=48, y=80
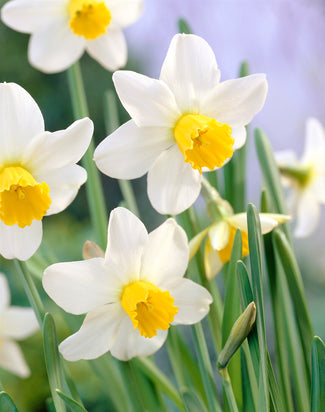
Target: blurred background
x=282, y=38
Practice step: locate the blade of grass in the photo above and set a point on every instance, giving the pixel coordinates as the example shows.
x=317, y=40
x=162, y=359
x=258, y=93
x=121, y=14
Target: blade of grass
x=249, y=383
x=71, y=403
x=6, y=403
x=318, y=376
x=192, y=402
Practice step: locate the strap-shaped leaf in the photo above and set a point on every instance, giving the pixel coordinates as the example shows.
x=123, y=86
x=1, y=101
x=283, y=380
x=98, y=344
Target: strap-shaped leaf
x=318, y=375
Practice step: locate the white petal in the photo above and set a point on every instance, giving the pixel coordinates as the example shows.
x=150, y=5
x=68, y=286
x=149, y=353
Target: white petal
x=285, y=158
x=315, y=141
x=4, y=293
x=110, y=49
x=78, y=287
x=145, y=144
x=55, y=48
x=308, y=214
x=173, y=186
x=127, y=238
x=49, y=151
x=129, y=343
x=28, y=16
x=12, y=359
x=237, y=101
x=212, y=261
x=239, y=134
x=64, y=184
x=166, y=256
x=18, y=323
x=196, y=241
x=148, y=101
x=125, y=12
x=268, y=221
x=20, y=120
x=193, y=302
x=19, y=243
x=190, y=71
x=96, y=335
x=219, y=235
x=319, y=188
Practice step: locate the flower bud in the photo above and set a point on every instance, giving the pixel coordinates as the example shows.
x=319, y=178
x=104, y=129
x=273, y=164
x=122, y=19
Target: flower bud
x=91, y=250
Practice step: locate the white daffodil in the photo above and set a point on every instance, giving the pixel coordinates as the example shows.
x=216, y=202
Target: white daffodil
x=16, y=323
x=305, y=179
x=221, y=235
x=182, y=124
x=132, y=294
x=38, y=174
x=63, y=29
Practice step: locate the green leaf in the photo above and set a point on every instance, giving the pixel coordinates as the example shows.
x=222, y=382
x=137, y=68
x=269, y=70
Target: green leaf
x=72, y=404
x=183, y=26
x=255, y=252
x=249, y=384
x=318, y=375
x=52, y=361
x=192, y=401
x=6, y=403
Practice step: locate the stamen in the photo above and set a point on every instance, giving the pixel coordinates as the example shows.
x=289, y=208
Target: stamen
x=203, y=141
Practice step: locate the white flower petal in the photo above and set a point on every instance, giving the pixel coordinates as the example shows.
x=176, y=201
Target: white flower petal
x=286, y=158
x=236, y=101
x=64, y=184
x=219, y=235
x=308, y=214
x=193, y=302
x=4, y=292
x=319, y=188
x=314, y=143
x=125, y=12
x=12, y=359
x=148, y=101
x=239, y=134
x=173, y=186
x=166, y=256
x=17, y=323
x=28, y=16
x=129, y=343
x=196, y=241
x=96, y=335
x=55, y=47
x=127, y=238
x=212, y=261
x=78, y=287
x=112, y=156
x=49, y=151
x=110, y=49
x=190, y=70
x=268, y=221
x=19, y=243
x=20, y=120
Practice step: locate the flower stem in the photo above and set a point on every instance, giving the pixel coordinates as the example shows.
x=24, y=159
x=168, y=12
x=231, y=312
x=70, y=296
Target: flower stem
x=95, y=195
x=228, y=389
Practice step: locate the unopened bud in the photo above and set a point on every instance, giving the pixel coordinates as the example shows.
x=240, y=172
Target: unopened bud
x=238, y=334
x=91, y=250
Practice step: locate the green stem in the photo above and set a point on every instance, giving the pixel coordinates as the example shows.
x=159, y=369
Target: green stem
x=95, y=195
x=228, y=390
x=31, y=291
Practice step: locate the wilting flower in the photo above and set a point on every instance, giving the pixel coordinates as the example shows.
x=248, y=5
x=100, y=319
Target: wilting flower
x=220, y=238
x=182, y=124
x=132, y=295
x=16, y=323
x=38, y=174
x=63, y=29
x=305, y=179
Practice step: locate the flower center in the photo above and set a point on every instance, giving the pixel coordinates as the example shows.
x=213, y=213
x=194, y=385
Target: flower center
x=203, y=141
x=225, y=253
x=22, y=199
x=302, y=175
x=148, y=307
x=89, y=18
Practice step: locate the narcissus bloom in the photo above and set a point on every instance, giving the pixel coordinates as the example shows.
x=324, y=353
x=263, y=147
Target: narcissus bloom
x=38, y=171
x=16, y=323
x=132, y=294
x=63, y=29
x=305, y=179
x=182, y=124
x=220, y=238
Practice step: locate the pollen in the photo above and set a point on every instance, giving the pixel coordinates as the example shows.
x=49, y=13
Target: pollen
x=22, y=198
x=148, y=307
x=225, y=253
x=89, y=18
x=203, y=141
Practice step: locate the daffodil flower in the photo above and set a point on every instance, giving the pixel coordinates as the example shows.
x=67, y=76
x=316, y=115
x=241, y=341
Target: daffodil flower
x=182, y=124
x=16, y=323
x=132, y=294
x=220, y=238
x=61, y=30
x=305, y=179
x=38, y=174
